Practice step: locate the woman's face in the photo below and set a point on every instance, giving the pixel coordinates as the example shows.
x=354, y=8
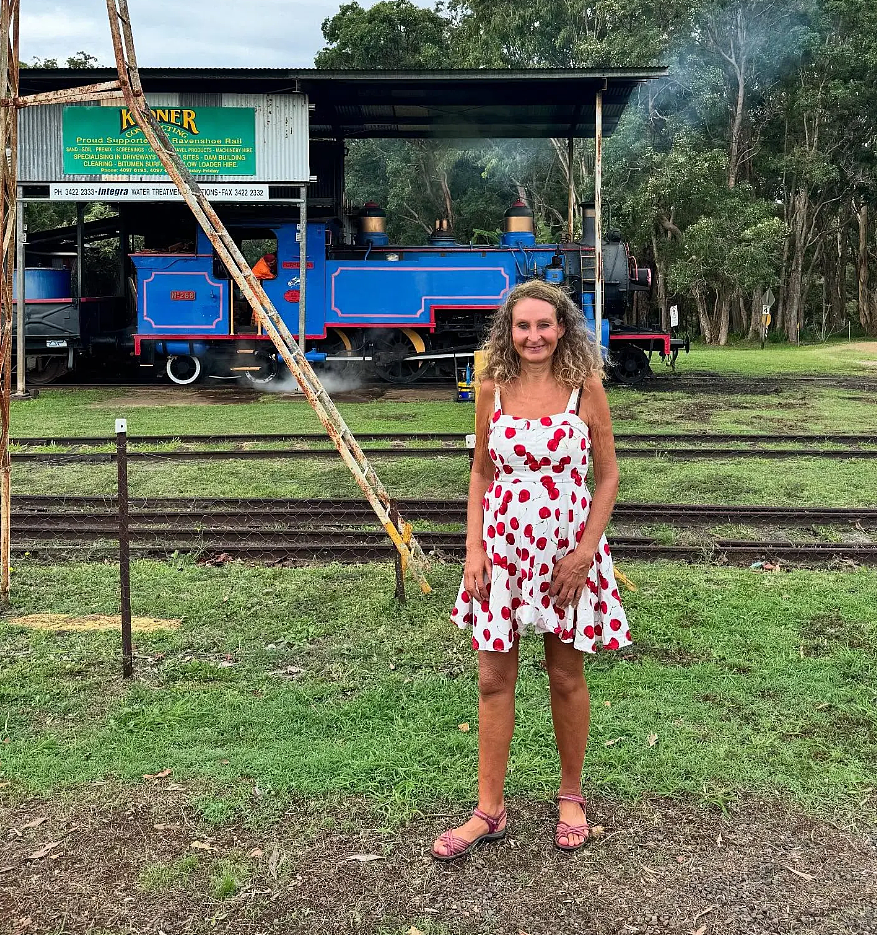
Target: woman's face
x=535, y=330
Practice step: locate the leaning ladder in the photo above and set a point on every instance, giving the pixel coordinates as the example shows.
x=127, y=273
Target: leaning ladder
x=290, y=350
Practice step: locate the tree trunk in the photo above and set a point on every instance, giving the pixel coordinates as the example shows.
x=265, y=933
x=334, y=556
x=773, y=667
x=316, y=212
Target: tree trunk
x=660, y=286
x=706, y=329
x=795, y=296
x=723, y=301
x=755, y=314
x=866, y=308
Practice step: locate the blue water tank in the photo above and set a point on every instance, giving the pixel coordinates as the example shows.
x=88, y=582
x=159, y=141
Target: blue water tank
x=43, y=283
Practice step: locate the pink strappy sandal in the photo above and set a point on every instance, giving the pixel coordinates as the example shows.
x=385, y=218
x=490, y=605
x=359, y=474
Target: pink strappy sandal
x=458, y=847
x=564, y=830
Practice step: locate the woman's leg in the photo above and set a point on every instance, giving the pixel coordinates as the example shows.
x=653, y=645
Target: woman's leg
x=570, y=711
x=497, y=674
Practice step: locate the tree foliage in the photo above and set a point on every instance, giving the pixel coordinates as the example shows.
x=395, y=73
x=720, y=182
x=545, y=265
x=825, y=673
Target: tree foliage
x=752, y=166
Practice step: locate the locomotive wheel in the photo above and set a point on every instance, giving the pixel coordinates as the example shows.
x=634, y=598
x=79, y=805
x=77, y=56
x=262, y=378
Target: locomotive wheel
x=47, y=369
x=183, y=369
x=267, y=372
x=390, y=347
x=631, y=365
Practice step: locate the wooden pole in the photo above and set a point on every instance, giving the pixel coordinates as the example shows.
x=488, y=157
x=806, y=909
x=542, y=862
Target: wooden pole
x=570, y=190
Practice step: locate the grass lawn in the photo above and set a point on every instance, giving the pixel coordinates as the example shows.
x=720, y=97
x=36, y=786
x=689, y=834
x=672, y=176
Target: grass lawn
x=312, y=682
x=837, y=356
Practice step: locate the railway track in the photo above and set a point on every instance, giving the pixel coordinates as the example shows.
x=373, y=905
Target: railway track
x=77, y=441
x=258, y=512
x=300, y=531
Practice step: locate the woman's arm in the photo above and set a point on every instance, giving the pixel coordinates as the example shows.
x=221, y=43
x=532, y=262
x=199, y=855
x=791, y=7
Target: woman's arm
x=571, y=572
x=476, y=574
x=595, y=408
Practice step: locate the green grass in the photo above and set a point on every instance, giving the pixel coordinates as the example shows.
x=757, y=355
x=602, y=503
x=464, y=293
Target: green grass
x=800, y=480
x=313, y=683
x=162, y=877
x=837, y=356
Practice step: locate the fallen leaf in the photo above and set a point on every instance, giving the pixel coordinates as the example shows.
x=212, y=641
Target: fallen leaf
x=3, y=785
x=652, y=740
x=607, y=704
x=463, y=727
x=699, y=931
x=165, y=827
x=719, y=839
x=161, y=775
x=611, y=743
x=799, y=873
x=414, y=931
x=33, y=824
x=44, y=850
x=597, y=831
x=174, y=787
x=202, y=846
x=365, y=858
x=255, y=852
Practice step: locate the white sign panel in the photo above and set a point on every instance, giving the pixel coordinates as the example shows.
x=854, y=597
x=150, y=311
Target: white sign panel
x=674, y=316
x=155, y=191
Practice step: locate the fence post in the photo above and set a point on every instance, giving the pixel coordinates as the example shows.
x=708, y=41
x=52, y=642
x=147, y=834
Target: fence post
x=397, y=558
x=124, y=552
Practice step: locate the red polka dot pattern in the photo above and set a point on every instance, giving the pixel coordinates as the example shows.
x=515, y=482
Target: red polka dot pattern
x=535, y=512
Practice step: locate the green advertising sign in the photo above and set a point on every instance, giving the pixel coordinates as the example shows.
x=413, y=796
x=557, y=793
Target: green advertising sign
x=210, y=140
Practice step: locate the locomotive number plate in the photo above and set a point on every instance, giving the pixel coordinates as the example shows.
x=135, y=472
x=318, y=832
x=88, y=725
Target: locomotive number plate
x=182, y=296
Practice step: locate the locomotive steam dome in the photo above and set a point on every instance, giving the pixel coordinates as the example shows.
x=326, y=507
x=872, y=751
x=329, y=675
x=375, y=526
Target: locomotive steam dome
x=517, y=226
x=372, y=226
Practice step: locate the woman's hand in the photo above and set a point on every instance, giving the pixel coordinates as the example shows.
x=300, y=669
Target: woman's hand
x=570, y=576
x=476, y=573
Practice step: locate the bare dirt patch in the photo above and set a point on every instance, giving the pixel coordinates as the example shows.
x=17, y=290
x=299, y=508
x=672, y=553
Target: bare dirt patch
x=69, y=623
x=659, y=867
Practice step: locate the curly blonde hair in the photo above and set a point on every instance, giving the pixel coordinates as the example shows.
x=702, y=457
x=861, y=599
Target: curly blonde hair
x=577, y=357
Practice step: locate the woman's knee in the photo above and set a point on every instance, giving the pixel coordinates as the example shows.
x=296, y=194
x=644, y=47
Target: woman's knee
x=496, y=679
x=566, y=680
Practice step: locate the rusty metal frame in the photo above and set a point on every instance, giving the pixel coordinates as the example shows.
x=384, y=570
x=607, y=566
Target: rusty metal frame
x=9, y=18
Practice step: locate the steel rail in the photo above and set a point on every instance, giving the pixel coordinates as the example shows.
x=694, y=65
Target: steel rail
x=298, y=454
x=231, y=439
x=279, y=510
x=254, y=519
x=375, y=547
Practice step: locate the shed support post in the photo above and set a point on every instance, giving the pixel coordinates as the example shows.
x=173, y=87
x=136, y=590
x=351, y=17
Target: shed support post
x=20, y=360
x=598, y=218
x=80, y=251
x=570, y=193
x=302, y=266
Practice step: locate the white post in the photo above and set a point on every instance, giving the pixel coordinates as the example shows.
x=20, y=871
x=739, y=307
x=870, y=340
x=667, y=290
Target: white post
x=20, y=237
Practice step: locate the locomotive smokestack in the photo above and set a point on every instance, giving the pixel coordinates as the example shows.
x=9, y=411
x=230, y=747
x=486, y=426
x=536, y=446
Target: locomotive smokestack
x=589, y=222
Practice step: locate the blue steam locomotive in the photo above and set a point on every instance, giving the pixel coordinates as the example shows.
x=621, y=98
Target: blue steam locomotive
x=401, y=312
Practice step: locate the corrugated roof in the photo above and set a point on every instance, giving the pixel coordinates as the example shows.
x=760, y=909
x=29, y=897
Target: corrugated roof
x=403, y=104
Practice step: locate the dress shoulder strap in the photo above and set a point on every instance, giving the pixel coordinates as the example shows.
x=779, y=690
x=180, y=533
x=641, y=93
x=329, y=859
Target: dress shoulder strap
x=497, y=405
x=575, y=398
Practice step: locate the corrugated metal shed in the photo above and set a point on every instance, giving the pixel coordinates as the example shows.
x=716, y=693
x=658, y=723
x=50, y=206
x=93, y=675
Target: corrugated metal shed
x=281, y=122
x=456, y=104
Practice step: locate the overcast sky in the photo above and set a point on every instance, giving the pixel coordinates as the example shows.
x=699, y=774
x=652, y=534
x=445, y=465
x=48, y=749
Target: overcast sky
x=183, y=33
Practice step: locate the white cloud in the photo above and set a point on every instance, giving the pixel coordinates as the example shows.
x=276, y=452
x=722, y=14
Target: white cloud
x=182, y=33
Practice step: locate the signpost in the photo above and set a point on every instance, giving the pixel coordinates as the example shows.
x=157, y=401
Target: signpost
x=210, y=140
x=674, y=316
x=769, y=299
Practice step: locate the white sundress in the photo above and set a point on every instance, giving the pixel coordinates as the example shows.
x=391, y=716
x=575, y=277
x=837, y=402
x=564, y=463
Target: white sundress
x=535, y=512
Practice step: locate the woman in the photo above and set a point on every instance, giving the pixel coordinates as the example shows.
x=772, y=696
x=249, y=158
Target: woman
x=536, y=558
